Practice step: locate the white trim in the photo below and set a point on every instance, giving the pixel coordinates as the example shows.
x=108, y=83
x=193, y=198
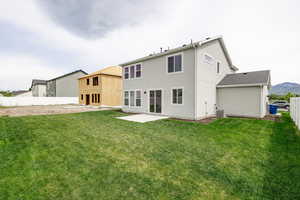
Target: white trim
x=240, y=85
x=162, y=101
x=196, y=83
x=177, y=104
x=182, y=61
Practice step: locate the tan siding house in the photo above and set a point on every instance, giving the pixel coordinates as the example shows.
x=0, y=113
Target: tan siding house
x=101, y=88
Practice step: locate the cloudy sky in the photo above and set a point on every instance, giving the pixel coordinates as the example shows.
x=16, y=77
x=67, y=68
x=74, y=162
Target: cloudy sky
x=42, y=39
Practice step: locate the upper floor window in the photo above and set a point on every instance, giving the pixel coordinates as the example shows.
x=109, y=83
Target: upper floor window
x=175, y=63
x=218, y=67
x=177, y=95
x=134, y=71
x=138, y=71
x=88, y=81
x=126, y=73
x=95, y=81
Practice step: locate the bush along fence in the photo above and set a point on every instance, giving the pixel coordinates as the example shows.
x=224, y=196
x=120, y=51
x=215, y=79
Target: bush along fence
x=295, y=110
x=30, y=101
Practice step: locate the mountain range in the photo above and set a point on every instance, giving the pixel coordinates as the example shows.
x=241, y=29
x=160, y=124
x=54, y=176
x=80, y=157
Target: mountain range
x=284, y=88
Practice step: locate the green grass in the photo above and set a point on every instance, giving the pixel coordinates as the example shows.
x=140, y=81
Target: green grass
x=95, y=156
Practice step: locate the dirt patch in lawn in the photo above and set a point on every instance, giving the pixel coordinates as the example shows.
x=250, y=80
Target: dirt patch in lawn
x=47, y=110
x=201, y=121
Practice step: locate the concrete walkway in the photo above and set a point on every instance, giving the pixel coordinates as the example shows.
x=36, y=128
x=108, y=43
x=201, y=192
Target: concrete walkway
x=142, y=118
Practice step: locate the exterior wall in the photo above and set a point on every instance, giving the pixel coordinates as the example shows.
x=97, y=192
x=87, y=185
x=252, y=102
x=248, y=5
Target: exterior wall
x=155, y=76
x=51, y=88
x=240, y=101
x=111, y=90
x=208, y=78
x=39, y=91
x=68, y=86
x=264, y=101
x=85, y=89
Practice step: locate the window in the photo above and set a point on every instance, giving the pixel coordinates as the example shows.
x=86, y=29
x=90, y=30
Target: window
x=98, y=98
x=95, y=81
x=138, y=71
x=126, y=73
x=138, y=98
x=177, y=95
x=126, y=98
x=87, y=81
x=175, y=63
x=132, y=71
x=82, y=97
x=131, y=98
x=218, y=67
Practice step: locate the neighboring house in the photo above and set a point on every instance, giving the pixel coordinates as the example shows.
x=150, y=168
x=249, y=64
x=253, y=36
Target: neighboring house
x=244, y=94
x=180, y=82
x=38, y=88
x=102, y=88
x=1, y=95
x=65, y=85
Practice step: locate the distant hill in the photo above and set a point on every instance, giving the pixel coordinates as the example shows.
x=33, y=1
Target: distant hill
x=284, y=88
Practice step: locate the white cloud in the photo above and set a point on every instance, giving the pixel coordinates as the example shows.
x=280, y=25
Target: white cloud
x=17, y=72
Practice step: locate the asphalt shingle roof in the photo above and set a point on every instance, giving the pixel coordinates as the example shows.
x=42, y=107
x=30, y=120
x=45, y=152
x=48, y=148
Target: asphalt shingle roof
x=246, y=78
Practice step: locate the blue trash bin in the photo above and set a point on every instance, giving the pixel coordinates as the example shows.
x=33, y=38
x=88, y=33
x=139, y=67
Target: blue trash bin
x=273, y=109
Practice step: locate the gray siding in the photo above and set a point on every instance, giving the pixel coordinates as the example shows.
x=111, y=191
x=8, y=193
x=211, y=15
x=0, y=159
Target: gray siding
x=51, y=88
x=240, y=101
x=155, y=76
x=68, y=86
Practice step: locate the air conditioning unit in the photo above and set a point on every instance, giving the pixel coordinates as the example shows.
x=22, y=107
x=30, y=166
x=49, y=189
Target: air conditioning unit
x=220, y=114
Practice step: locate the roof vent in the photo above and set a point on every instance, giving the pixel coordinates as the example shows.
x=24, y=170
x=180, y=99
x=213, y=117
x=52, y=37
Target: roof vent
x=208, y=38
x=166, y=50
x=184, y=45
x=245, y=73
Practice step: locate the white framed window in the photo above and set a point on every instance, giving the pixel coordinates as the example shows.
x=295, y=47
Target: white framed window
x=132, y=98
x=208, y=59
x=132, y=71
x=174, y=63
x=126, y=73
x=218, y=67
x=138, y=98
x=126, y=98
x=177, y=96
x=138, y=71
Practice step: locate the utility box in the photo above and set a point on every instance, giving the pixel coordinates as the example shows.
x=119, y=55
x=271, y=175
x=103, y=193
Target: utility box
x=220, y=114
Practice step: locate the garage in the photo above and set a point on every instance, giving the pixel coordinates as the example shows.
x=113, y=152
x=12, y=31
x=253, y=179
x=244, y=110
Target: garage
x=244, y=94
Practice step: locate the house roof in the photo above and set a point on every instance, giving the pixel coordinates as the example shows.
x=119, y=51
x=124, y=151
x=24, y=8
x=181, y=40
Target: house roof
x=112, y=70
x=246, y=79
x=38, y=82
x=68, y=74
x=185, y=47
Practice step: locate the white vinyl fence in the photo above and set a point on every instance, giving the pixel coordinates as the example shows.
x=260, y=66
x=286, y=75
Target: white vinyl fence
x=295, y=110
x=30, y=101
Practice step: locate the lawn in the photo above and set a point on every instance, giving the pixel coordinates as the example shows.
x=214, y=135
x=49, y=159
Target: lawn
x=95, y=156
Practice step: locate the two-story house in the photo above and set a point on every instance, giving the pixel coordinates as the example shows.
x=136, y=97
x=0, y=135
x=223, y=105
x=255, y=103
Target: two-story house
x=183, y=82
x=101, y=88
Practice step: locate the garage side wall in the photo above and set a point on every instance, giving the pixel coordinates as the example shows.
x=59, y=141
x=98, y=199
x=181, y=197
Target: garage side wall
x=240, y=101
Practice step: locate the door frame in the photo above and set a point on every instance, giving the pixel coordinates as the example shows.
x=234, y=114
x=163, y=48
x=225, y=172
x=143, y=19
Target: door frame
x=162, y=101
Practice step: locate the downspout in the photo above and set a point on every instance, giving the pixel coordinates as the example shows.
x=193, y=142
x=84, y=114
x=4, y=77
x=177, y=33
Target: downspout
x=196, y=83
